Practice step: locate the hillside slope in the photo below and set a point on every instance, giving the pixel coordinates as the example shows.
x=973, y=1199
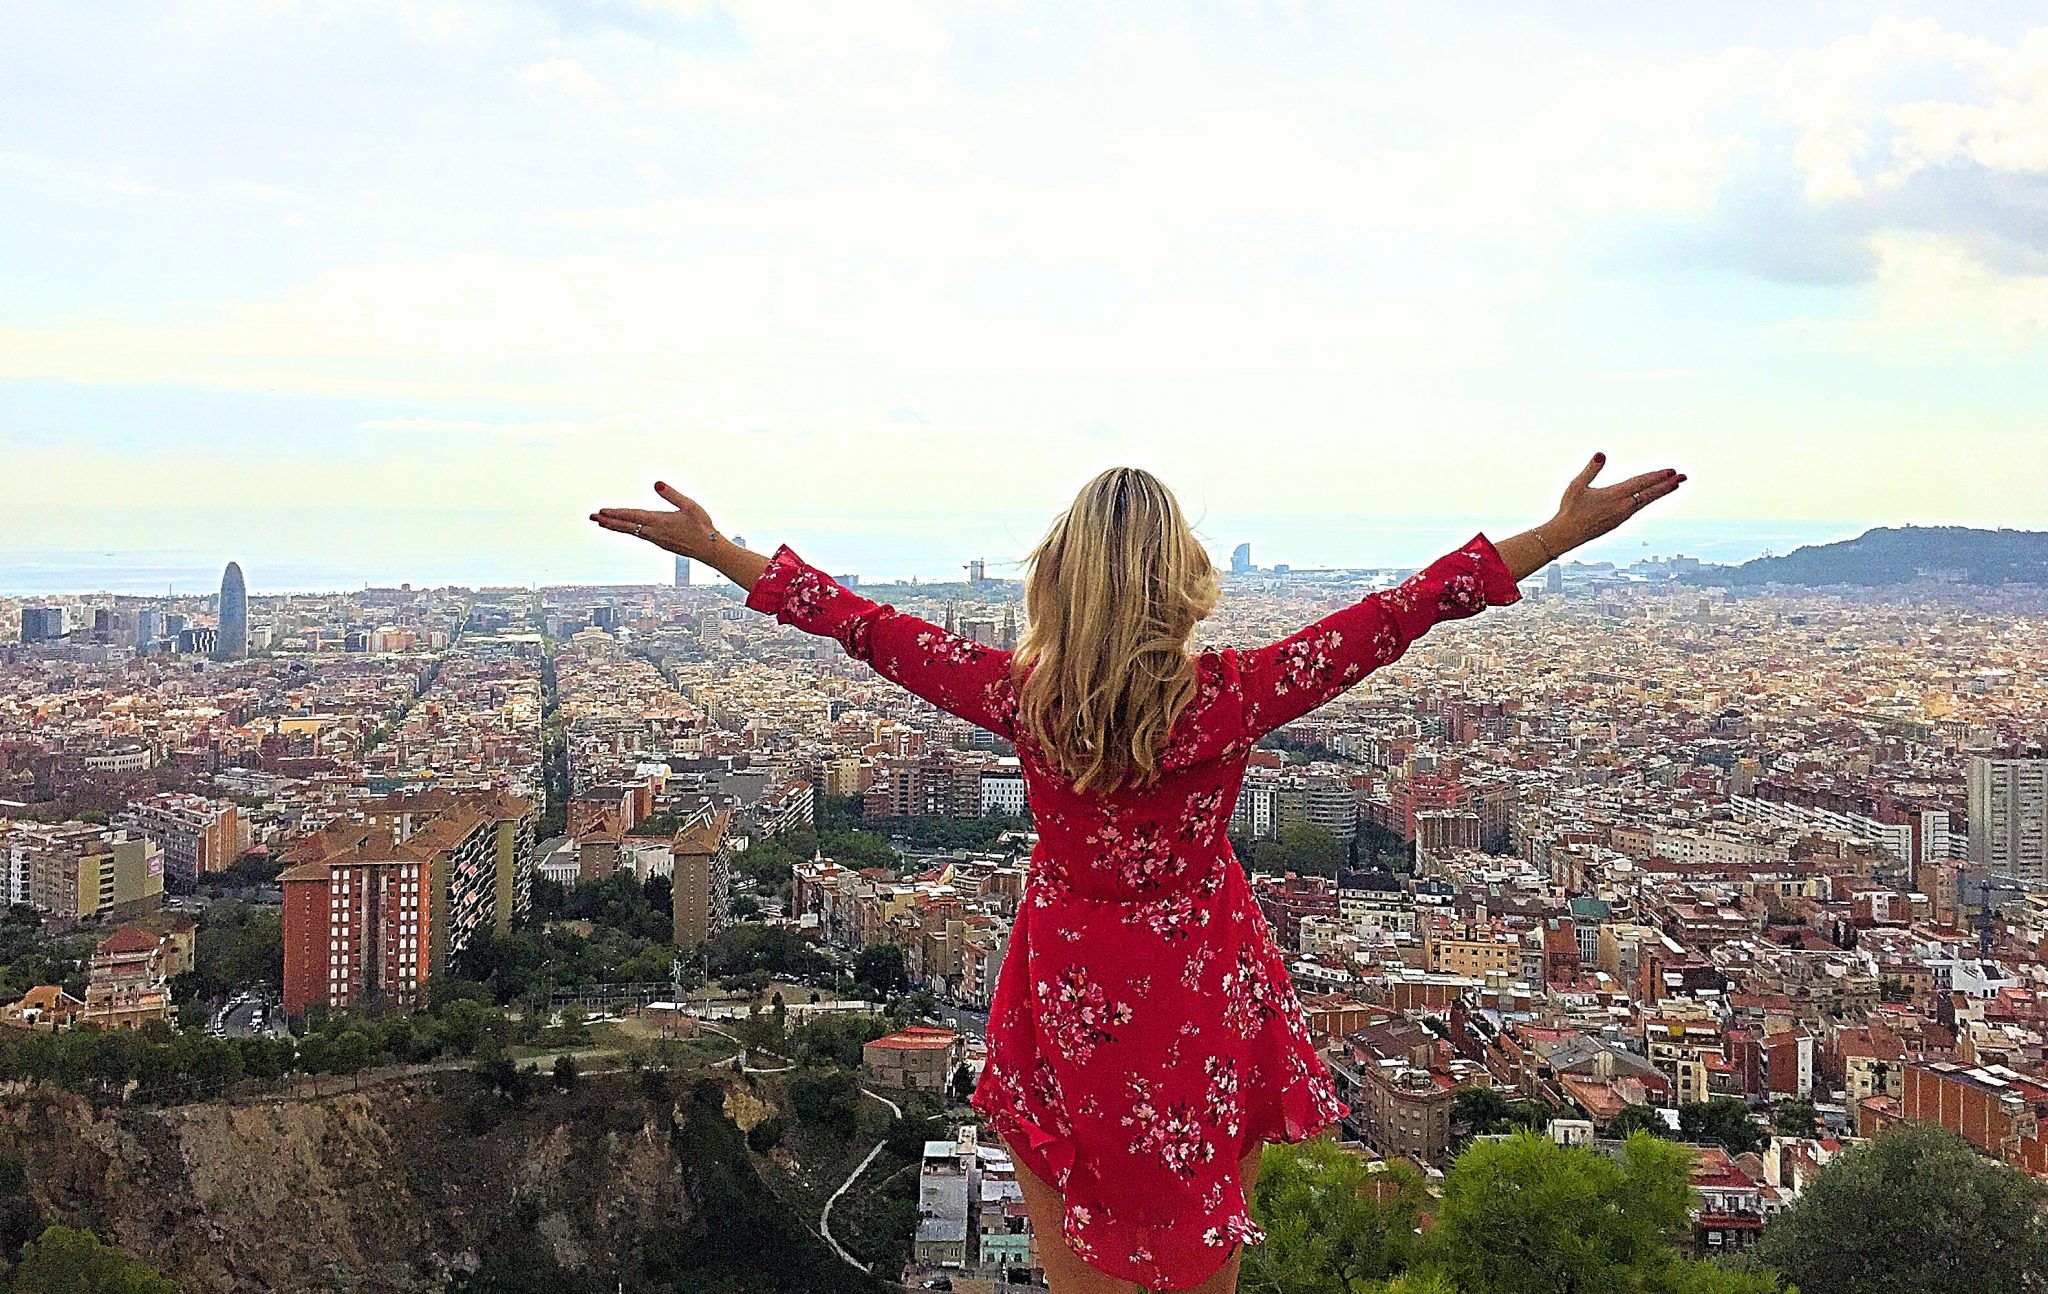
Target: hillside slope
x=1898, y=555
x=392, y=1189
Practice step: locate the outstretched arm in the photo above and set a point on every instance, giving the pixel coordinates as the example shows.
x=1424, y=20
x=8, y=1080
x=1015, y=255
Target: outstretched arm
x=1289, y=678
x=954, y=673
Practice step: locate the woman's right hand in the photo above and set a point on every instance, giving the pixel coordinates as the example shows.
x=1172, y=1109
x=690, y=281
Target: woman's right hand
x=1588, y=511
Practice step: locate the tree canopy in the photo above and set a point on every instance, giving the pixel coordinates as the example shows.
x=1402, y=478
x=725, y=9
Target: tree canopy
x=1521, y=1215
x=1916, y=1211
x=1527, y=1216
x=1723, y=1121
x=880, y=967
x=1332, y=1221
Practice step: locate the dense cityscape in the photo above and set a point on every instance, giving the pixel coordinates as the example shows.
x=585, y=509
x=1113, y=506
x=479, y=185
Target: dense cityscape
x=1762, y=871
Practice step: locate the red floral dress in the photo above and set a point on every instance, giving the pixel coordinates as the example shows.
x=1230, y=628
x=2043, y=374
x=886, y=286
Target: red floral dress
x=1144, y=1033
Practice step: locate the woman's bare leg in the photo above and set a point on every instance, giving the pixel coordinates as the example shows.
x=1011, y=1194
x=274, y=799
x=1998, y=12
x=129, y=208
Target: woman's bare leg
x=1225, y=1279
x=1065, y=1273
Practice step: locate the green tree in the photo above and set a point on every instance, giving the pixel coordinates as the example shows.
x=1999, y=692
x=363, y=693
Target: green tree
x=826, y=1098
x=1794, y=1118
x=566, y=1073
x=762, y=1031
x=1302, y=847
x=237, y=946
x=765, y=1135
x=1333, y=1222
x=858, y=849
x=20, y=1222
x=1528, y=1216
x=1417, y=1283
x=65, y=1261
x=1637, y=1118
x=909, y=1008
x=1483, y=1111
x=1713, y=1278
x=1724, y=1121
x=1916, y=1211
x=879, y=968
x=906, y=1137
x=752, y=946
x=574, y=1029
x=838, y=1039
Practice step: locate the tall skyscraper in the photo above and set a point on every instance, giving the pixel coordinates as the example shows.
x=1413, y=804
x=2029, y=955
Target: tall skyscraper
x=1241, y=559
x=232, y=640
x=1553, y=579
x=2009, y=817
x=682, y=572
x=41, y=624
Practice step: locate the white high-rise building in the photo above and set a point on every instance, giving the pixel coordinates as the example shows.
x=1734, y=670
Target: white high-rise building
x=2009, y=818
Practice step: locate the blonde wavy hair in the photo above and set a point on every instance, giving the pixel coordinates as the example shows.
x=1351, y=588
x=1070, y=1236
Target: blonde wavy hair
x=1113, y=594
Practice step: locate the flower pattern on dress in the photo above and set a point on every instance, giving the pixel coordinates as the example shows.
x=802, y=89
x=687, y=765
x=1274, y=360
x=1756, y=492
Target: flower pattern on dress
x=1197, y=965
x=940, y=647
x=1174, y=1136
x=1305, y=662
x=1077, y=1014
x=1251, y=996
x=1173, y=917
x=1204, y=817
x=1223, y=1107
x=1171, y=1134
x=1144, y=1033
x=1141, y=858
x=1461, y=594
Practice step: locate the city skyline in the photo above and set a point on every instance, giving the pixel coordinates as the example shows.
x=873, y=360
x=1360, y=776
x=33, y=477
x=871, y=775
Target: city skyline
x=172, y=575
x=939, y=261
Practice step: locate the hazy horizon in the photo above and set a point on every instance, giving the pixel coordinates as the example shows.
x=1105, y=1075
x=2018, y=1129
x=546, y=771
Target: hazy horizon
x=877, y=555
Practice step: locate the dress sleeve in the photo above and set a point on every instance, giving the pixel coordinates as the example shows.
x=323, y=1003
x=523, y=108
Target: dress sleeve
x=1291, y=677
x=956, y=674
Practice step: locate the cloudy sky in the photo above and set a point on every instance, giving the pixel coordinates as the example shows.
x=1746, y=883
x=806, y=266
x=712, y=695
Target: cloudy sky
x=421, y=284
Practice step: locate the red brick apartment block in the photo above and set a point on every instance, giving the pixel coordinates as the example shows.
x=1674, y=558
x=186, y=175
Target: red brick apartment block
x=1996, y=1109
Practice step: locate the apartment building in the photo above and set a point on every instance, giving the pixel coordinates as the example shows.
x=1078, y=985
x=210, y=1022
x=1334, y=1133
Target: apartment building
x=376, y=904
x=2009, y=817
x=77, y=870
x=702, y=894
x=1999, y=1110
x=198, y=835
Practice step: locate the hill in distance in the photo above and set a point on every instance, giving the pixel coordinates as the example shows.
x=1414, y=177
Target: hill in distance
x=1898, y=555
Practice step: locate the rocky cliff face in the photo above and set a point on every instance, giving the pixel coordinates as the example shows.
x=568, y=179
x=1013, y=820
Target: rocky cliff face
x=392, y=1188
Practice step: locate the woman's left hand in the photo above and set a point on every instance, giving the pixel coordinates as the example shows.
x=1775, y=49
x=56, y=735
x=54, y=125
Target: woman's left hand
x=685, y=529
